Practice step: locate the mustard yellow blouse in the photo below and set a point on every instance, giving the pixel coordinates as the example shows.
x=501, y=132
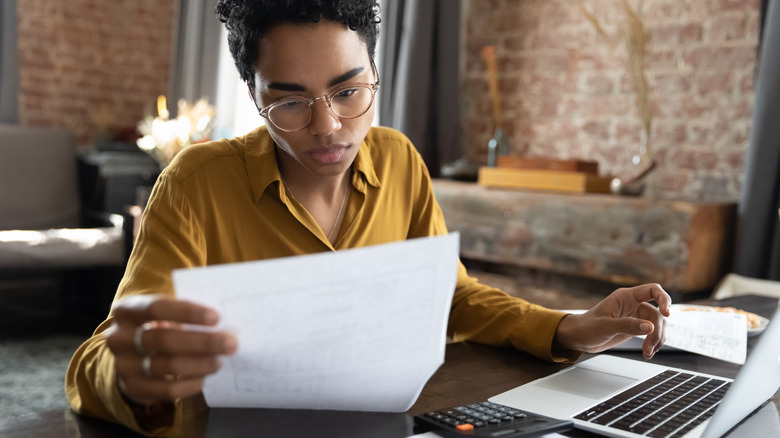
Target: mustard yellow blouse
x=223, y=202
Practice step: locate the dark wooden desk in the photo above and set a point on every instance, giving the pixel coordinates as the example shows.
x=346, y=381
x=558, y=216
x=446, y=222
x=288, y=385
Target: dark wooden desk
x=470, y=373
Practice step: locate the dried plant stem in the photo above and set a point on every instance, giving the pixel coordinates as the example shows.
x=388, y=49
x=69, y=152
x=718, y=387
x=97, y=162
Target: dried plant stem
x=595, y=23
x=636, y=46
x=634, y=39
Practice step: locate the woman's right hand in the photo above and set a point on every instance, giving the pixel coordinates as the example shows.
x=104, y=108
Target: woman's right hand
x=157, y=357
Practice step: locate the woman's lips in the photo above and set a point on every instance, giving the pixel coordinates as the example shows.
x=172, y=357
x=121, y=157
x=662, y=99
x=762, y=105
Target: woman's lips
x=328, y=155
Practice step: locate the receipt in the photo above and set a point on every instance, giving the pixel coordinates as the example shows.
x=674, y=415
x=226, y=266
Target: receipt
x=715, y=334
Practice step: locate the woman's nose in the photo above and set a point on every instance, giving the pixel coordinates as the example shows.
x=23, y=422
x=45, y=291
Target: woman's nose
x=323, y=120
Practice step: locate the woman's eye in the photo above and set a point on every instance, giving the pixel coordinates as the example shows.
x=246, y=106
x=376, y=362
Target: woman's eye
x=343, y=94
x=291, y=105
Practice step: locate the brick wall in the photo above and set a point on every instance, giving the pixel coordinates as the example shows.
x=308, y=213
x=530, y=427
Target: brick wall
x=566, y=94
x=88, y=63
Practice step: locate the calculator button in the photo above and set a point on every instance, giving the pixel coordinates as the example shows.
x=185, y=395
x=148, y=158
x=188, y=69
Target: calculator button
x=464, y=426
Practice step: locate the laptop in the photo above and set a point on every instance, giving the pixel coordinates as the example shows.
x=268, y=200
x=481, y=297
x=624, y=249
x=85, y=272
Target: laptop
x=620, y=397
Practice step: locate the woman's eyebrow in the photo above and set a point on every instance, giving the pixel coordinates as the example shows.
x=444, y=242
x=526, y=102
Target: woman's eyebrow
x=346, y=76
x=287, y=86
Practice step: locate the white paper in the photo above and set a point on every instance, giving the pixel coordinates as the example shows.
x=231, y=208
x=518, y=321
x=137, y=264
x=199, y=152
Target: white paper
x=720, y=335
x=361, y=329
x=714, y=334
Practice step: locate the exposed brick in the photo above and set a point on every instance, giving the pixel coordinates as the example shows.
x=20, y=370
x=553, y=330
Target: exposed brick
x=665, y=133
x=734, y=5
x=746, y=83
x=547, y=83
x=597, y=83
x=663, y=58
x=727, y=28
x=721, y=57
x=714, y=135
x=628, y=132
x=699, y=158
x=663, y=83
x=597, y=130
x=734, y=159
x=74, y=53
x=714, y=82
x=594, y=60
x=675, y=34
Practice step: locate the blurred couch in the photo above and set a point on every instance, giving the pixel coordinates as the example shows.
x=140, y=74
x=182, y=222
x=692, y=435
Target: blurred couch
x=56, y=259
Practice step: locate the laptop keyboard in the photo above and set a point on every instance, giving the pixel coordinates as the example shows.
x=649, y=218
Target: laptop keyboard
x=670, y=404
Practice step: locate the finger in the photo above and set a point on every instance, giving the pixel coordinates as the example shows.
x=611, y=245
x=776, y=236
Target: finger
x=655, y=340
x=144, y=390
x=652, y=345
x=173, y=341
x=652, y=314
x=184, y=342
x=161, y=367
x=137, y=309
x=628, y=326
x=653, y=292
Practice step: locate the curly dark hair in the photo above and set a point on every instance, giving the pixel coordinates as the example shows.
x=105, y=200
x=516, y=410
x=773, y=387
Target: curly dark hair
x=249, y=20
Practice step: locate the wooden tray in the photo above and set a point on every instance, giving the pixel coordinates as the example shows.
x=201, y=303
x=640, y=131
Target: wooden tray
x=579, y=182
x=517, y=162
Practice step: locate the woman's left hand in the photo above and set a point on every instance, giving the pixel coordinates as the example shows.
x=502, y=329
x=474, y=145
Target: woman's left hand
x=625, y=313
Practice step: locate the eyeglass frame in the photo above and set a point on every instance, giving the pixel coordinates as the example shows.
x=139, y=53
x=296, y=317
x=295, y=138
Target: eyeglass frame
x=373, y=86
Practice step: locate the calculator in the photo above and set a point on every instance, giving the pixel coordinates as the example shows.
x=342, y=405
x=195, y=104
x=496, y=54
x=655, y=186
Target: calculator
x=489, y=419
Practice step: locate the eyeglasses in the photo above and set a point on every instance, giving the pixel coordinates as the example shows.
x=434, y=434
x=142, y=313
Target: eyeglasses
x=347, y=102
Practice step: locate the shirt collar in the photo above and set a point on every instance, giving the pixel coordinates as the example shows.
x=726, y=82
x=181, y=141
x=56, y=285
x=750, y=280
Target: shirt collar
x=261, y=165
x=364, y=164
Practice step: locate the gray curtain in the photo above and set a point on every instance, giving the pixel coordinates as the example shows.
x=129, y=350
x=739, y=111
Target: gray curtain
x=9, y=67
x=419, y=76
x=196, y=53
x=758, y=233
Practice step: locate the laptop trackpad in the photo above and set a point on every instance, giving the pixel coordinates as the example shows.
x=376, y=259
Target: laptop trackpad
x=586, y=383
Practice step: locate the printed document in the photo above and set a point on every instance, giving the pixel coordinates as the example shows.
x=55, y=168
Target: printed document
x=360, y=329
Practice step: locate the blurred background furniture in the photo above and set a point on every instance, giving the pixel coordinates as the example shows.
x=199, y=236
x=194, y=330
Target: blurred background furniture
x=117, y=178
x=58, y=262
x=616, y=240
x=734, y=285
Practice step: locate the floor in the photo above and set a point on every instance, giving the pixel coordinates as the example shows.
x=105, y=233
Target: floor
x=32, y=373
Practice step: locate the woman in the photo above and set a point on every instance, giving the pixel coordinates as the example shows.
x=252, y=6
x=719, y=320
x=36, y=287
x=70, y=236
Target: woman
x=316, y=178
